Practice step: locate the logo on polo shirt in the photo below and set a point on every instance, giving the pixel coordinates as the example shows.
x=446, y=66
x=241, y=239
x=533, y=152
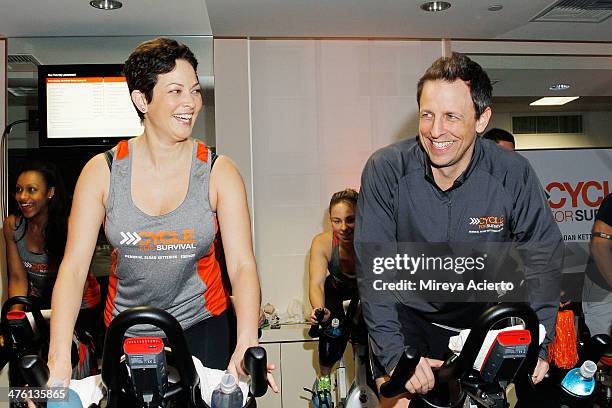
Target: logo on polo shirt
x=480, y=225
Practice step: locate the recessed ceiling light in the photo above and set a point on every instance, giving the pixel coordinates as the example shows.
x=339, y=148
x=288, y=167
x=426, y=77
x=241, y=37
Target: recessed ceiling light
x=559, y=87
x=553, y=100
x=106, y=4
x=435, y=6
x=495, y=7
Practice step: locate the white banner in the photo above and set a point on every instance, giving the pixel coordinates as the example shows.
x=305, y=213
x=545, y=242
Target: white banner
x=576, y=181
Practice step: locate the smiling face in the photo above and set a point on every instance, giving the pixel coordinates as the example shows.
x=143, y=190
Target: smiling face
x=175, y=104
x=448, y=125
x=32, y=194
x=342, y=217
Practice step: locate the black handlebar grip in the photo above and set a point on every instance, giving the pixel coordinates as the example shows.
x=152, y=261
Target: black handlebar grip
x=34, y=371
x=594, y=348
x=403, y=371
x=315, y=328
x=256, y=365
x=320, y=314
x=32, y=304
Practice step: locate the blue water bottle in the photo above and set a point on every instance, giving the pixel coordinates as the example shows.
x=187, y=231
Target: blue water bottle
x=579, y=382
x=228, y=394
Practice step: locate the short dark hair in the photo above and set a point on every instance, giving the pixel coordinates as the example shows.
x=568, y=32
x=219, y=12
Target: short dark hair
x=347, y=195
x=497, y=135
x=150, y=59
x=459, y=66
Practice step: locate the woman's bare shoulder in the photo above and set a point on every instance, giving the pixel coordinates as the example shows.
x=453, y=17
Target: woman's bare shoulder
x=322, y=241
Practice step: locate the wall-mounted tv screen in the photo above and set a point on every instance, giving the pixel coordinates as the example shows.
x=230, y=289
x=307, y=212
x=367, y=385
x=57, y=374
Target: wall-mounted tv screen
x=85, y=105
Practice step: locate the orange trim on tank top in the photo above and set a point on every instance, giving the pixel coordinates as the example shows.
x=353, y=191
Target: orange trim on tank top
x=202, y=152
x=112, y=290
x=122, y=150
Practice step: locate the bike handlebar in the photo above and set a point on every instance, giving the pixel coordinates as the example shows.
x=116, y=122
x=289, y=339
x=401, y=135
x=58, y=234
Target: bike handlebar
x=403, y=371
x=459, y=367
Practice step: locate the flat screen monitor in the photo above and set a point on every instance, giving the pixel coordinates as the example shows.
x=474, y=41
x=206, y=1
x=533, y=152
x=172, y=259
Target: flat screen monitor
x=85, y=105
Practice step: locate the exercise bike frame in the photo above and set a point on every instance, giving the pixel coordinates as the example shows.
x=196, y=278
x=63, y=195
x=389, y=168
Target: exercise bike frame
x=459, y=368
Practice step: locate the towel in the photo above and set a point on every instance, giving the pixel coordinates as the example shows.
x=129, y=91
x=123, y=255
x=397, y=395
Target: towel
x=456, y=343
x=91, y=390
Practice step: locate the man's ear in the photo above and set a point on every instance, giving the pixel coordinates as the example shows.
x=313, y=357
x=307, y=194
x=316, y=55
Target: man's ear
x=483, y=120
x=140, y=100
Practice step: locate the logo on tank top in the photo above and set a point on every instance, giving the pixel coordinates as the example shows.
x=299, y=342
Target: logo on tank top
x=164, y=240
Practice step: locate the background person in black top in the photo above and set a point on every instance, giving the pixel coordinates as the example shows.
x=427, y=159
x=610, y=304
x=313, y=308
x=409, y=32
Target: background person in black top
x=501, y=137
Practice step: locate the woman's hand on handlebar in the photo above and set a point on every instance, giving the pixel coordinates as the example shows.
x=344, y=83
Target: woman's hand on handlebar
x=236, y=366
x=60, y=371
x=540, y=371
x=313, y=318
x=422, y=381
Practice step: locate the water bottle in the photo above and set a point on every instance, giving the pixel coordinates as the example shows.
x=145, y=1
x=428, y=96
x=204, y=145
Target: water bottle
x=228, y=394
x=331, y=343
x=579, y=382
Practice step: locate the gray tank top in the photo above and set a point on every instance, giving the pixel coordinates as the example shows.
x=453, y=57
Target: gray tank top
x=41, y=275
x=165, y=261
x=335, y=267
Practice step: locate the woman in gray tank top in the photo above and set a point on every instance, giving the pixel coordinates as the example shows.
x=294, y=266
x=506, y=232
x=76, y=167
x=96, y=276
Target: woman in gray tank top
x=36, y=235
x=332, y=273
x=147, y=200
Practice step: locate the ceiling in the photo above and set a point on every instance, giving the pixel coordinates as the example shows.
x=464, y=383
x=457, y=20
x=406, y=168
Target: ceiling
x=294, y=18
x=515, y=76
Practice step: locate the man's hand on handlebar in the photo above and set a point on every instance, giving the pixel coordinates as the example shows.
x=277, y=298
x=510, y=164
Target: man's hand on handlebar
x=422, y=381
x=540, y=371
x=236, y=366
x=313, y=318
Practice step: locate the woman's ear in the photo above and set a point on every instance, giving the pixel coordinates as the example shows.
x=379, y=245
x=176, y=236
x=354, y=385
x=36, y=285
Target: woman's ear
x=51, y=193
x=140, y=101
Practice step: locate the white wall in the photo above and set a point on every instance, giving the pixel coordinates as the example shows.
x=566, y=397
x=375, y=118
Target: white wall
x=318, y=109
x=300, y=117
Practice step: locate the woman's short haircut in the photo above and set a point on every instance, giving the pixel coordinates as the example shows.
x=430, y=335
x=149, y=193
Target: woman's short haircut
x=150, y=59
x=348, y=196
x=459, y=66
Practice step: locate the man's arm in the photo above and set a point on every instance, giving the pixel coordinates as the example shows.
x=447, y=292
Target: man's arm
x=376, y=228
x=540, y=244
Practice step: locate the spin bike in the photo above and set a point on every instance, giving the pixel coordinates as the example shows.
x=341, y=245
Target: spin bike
x=511, y=358
x=143, y=381
x=360, y=394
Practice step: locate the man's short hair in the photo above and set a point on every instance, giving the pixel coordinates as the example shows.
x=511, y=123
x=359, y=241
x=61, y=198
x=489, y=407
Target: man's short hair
x=459, y=66
x=497, y=135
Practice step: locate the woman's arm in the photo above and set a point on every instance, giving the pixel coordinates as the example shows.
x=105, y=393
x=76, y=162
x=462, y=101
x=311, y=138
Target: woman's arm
x=228, y=197
x=84, y=223
x=317, y=272
x=18, y=277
